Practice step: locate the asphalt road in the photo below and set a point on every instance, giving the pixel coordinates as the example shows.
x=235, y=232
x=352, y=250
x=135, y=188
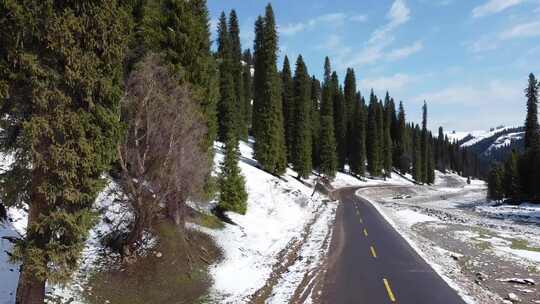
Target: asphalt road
x=369, y=262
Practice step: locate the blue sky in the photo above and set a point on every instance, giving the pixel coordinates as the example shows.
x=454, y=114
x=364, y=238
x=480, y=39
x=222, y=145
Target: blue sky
x=469, y=59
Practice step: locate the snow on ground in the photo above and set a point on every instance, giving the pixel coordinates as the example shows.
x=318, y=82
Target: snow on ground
x=346, y=180
x=477, y=136
x=278, y=211
x=524, y=212
x=505, y=140
x=410, y=217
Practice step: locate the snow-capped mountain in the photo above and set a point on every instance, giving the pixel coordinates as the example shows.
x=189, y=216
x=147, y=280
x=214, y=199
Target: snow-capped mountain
x=491, y=145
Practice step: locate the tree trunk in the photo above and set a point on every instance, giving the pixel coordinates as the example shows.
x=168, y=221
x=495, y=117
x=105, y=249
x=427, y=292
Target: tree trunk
x=31, y=289
x=176, y=209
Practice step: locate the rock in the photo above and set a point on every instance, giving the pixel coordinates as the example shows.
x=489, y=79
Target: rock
x=159, y=255
x=507, y=302
x=513, y=297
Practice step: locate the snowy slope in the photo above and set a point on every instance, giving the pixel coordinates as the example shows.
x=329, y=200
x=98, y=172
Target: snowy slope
x=278, y=211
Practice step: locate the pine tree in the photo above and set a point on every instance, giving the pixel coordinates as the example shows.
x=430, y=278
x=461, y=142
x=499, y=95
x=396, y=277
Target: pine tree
x=228, y=115
x=233, y=195
x=430, y=178
x=269, y=148
x=387, y=137
x=61, y=69
x=357, y=156
x=373, y=139
x=287, y=93
x=302, y=141
x=327, y=139
x=184, y=38
x=258, y=77
x=532, y=129
x=237, y=71
x=417, y=163
x=495, y=187
x=315, y=121
x=402, y=142
x=340, y=127
x=511, y=177
x=351, y=105
x=328, y=165
x=248, y=87
x=424, y=146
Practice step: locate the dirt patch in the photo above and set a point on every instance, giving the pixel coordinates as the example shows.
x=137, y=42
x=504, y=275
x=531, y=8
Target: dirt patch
x=175, y=271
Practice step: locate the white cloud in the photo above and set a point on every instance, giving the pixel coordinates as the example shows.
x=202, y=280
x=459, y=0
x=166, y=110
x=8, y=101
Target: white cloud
x=496, y=92
x=531, y=29
x=493, y=7
x=399, y=14
x=294, y=28
x=405, y=52
x=483, y=44
x=392, y=83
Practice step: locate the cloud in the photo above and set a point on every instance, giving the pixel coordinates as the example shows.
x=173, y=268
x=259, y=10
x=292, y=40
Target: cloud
x=335, y=18
x=523, y=30
x=399, y=14
x=405, y=52
x=495, y=92
x=392, y=83
x=494, y=6
x=483, y=44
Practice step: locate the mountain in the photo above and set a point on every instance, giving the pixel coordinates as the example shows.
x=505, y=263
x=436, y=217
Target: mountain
x=493, y=145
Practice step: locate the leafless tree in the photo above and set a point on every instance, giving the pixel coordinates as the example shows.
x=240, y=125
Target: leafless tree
x=161, y=157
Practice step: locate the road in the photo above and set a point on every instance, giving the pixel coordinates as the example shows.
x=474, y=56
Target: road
x=370, y=262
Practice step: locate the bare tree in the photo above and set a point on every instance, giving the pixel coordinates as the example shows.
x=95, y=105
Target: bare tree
x=162, y=160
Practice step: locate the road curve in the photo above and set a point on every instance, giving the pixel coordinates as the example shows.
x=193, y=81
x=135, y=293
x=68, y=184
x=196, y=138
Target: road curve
x=370, y=262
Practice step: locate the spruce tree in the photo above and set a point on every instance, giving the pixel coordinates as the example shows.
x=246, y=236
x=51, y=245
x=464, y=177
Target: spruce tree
x=61, y=69
x=302, y=141
x=233, y=195
x=228, y=115
x=340, y=123
x=184, y=38
x=495, y=186
x=237, y=71
x=327, y=149
x=402, y=142
x=327, y=139
x=258, y=77
x=248, y=87
x=351, y=105
x=511, y=177
x=532, y=129
x=315, y=121
x=357, y=156
x=424, y=146
x=430, y=171
x=387, y=137
x=417, y=163
x=287, y=93
x=373, y=139
x=269, y=148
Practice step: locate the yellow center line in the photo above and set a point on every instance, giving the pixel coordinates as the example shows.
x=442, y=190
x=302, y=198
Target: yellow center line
x=365, y=232
x=389, y=290
x=373, y=253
